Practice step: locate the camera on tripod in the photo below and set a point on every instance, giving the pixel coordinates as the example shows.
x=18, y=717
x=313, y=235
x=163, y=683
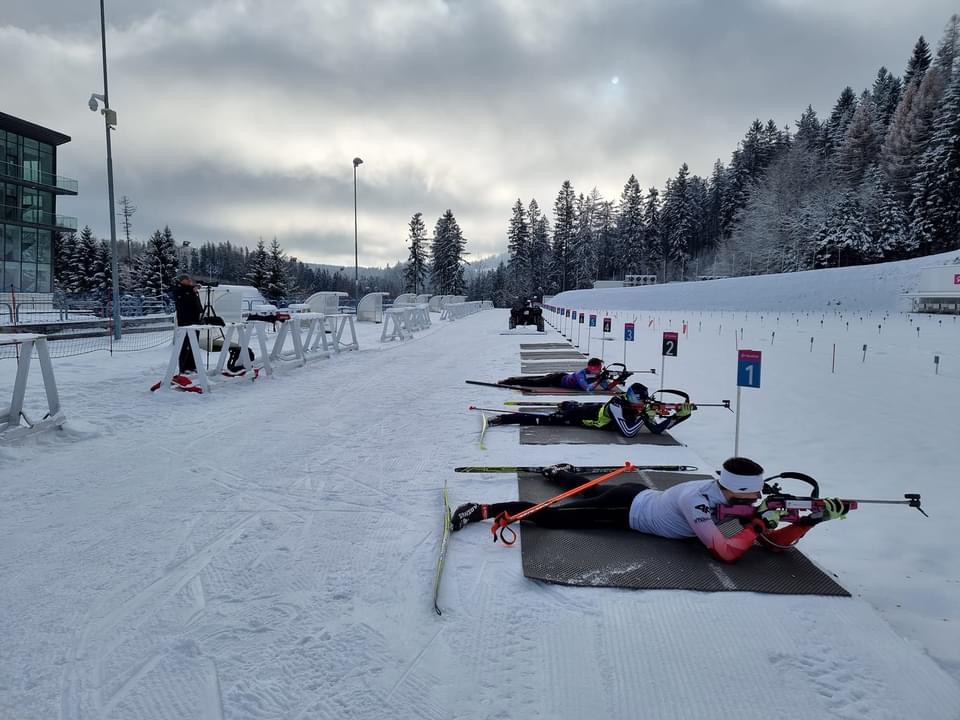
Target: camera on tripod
x=208, y=283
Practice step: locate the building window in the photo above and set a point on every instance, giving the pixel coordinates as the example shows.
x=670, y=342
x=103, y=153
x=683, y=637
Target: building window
x=11, y=243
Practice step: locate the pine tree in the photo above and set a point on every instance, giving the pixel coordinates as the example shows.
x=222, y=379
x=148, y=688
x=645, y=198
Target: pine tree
x=861, y=146
x=909, y=134
x=809, y=131
x=604, y=236
x=518, y=244
x=949, y=48
x=936, y=204
x=415, y=274
x=840, y=118
x=918, y=64
x=886, y=95
x=82, y=258
x=678, y=217
x=843, y=240
x=156, y=269
x=257, y=267
x=62, y=252
x=583, y=250
x=653, y=234
x=713, y=208
x=539, y=248
x=102, y=272
x=884, y=218
x=277, y=283
x=446, y=270
x=630, y=238
x=563, y=214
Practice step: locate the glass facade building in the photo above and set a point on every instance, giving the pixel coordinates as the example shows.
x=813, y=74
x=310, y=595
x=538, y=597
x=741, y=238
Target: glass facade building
x=29, y=186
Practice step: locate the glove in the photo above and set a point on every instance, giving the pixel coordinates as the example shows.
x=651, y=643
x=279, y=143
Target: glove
x=554, y=470
x=770, y=517
x=684, y=410
x=652, y=411
x=834, y=509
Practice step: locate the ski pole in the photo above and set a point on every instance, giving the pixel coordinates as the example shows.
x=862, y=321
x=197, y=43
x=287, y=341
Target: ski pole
x=504, y=519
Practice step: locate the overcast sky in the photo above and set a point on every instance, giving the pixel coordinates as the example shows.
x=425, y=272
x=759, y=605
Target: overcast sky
x=240, y=118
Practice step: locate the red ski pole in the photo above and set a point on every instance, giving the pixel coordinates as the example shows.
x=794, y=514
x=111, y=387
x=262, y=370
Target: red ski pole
x=504, y=519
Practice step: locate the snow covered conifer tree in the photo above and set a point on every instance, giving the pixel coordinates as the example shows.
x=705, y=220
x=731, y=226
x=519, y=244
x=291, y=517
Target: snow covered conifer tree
x=257, y=271
x=840, y=119
x=861, y=146
x=539, y=247
x=843, y=239
x=446, y=270
x=415, y=274
x=949, y=48
x=936, y=202
x=886, y=94
x=909, y=133
x=518, y=244
x=653, y=234
x=563, y=213
x=918, y=64
x=277, y=282
x=156, y=269
x=630, y=236
x=102, y=271
x=885, y=219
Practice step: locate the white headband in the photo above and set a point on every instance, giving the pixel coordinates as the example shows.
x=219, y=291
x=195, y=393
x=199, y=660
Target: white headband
x=740, y=483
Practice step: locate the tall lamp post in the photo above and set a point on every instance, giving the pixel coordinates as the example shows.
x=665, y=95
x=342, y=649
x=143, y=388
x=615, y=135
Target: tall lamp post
x=356, y=255
x=110, y=123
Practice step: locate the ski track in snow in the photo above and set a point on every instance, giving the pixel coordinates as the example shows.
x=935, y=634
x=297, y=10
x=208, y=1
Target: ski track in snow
x=266, y=552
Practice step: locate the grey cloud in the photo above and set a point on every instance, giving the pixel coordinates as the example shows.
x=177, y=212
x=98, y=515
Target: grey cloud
x=240, y=107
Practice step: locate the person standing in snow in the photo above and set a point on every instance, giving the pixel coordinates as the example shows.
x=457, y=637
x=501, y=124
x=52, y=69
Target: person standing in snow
x=683, y=511
x=627, y=413
x=189, y=311
x=588, y=379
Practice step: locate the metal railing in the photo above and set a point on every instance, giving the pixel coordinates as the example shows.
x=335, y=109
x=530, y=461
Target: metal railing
x=39, y=217
x=30, y=174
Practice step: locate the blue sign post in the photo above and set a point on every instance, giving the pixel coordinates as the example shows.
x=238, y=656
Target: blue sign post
x=628, y=330
x=591, y=324
x=748, y=375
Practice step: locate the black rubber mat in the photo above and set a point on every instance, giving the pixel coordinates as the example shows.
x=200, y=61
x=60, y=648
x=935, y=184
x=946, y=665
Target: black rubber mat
x=538, y=368
x=574, y=435
x=545, y=346
x=629, y=559
x=554, y=355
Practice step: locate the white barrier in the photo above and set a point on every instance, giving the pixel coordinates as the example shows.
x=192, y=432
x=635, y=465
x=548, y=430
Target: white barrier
x=10, y=426
x=242, y=332
x=455, y=311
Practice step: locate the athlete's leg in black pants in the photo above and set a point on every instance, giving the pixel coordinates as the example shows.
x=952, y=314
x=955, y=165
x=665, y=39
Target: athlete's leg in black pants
x=609, y=508
x=551, y=380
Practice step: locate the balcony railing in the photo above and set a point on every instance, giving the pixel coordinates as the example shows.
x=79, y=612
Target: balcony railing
x=38, y=217
x=34, y=175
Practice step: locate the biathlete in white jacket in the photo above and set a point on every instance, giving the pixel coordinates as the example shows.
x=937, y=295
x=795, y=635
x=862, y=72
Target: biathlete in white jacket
x=683, y=511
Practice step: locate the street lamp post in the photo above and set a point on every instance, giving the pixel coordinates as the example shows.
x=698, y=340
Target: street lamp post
x=356, y=255
x=110, y=122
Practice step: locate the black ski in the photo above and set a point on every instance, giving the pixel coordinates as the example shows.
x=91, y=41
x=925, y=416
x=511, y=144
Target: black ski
x=586, y=470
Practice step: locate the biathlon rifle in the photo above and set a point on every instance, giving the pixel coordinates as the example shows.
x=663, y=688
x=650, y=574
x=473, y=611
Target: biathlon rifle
x=578, y=470
x=663, y=408
x=796, y=505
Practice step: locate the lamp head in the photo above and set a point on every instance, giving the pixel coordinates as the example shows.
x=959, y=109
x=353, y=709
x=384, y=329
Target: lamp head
x=357, y=161
x=92, y=104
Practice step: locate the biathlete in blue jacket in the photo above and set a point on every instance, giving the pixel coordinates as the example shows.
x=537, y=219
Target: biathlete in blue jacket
x=588, y=379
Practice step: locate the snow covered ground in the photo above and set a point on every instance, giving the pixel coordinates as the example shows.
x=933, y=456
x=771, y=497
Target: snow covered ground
x=267, y=551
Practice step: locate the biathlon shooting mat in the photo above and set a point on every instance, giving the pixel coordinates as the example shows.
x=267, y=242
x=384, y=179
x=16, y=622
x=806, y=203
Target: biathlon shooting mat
x=630, y=559
x=579, y=435
x=546, y=346
x=541, y=368
x=554, y=355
